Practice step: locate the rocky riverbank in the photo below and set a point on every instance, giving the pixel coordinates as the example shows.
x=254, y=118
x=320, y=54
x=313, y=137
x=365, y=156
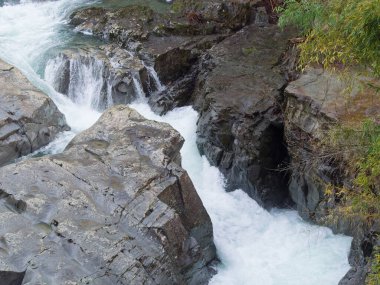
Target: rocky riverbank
x=140, y=219
x=227, y=60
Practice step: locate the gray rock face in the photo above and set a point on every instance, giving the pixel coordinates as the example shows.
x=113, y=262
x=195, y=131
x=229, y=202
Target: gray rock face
x=28, y=118
x=240, y=125
x=176, y=60
x=114, y=208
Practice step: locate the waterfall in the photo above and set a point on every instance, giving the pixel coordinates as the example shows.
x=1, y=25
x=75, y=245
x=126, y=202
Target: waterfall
x=153, y=74
x=86, y=82
x=138, y=88
x=81, y=79
x=255, y=246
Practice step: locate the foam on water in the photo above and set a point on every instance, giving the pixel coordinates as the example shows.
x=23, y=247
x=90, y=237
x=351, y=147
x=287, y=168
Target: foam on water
x=256, y=247
x=27, y=32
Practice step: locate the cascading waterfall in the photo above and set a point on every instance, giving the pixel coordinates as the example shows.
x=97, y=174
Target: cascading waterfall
x=138, y=88
x=255, y=246
x=82, y=79
x=153, y=74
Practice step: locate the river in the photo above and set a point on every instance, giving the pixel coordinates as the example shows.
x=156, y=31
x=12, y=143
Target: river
x=255, y=246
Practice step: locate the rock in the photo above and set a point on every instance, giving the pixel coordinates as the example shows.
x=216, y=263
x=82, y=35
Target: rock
x=188, y=18
x=240, y=128
x=173, y=64
x=176, y=61
x=114, y=208
x=210, y=17
x=171, y=43
x=122, y=25
x=28, y=118
x=315, y=103
x=176, y=94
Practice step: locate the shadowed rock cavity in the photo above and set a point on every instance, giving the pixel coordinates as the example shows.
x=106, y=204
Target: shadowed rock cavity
x=114, y=208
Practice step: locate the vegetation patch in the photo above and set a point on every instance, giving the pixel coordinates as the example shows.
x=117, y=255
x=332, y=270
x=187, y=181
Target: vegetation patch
x=338, y=34
x=374, y=275
x=360, y=151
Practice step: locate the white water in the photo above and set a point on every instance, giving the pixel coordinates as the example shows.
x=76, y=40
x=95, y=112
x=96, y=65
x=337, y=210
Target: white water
x=86, y=81
x=256, y=247
x=27, y=32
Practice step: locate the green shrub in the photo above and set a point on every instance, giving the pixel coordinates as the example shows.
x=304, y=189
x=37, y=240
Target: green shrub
x=302, y=14
x=337, y=33
x=361, y=151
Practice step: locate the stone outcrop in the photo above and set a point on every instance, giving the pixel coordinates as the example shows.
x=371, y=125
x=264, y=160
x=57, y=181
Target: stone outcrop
x=241, y=125
x=114, y=208
x=315, y=103
x=29, y=119
x=177, y=62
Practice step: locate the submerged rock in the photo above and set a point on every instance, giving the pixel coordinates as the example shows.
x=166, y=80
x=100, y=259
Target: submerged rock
x=29, y=119
x=114, y=208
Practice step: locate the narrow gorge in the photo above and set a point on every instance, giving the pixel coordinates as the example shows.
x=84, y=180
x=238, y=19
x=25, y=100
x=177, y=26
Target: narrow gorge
x=169, y=142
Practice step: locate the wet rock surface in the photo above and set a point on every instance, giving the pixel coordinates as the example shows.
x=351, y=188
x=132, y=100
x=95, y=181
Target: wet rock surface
x=114, y=208
x=223, y=57
x=171, y=43
x=28, y=118
x=240, y=125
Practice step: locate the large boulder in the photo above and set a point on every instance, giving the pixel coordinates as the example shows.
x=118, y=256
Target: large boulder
x=114, y=208
x=240, y=128
x=29, y=119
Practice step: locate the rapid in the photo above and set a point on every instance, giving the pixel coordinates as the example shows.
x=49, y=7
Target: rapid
x=255, y=246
